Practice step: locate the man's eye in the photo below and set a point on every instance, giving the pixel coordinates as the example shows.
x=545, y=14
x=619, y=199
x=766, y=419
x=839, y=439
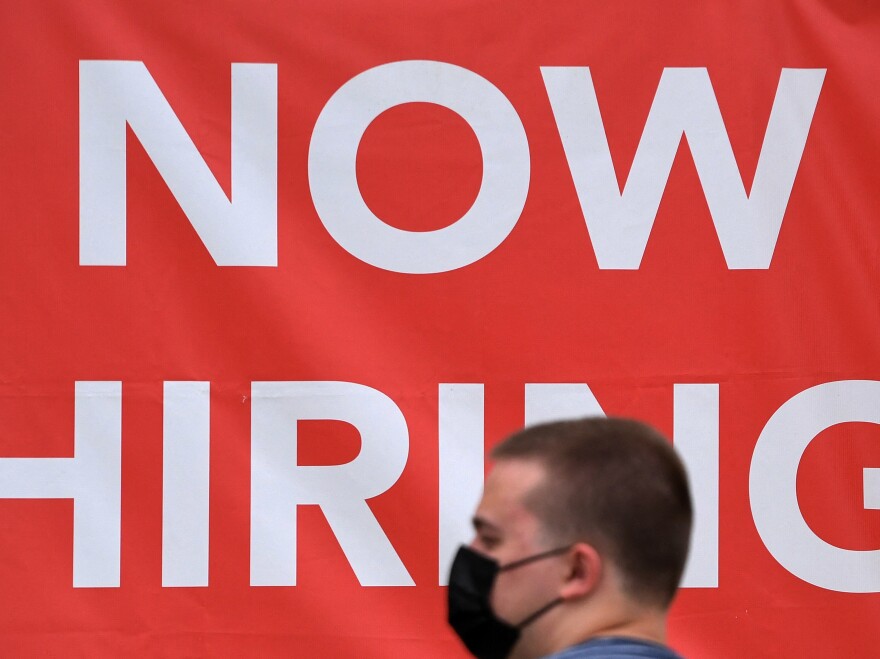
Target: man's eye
x=489, y=542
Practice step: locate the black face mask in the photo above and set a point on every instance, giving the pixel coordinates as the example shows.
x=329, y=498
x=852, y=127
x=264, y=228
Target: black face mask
x=470, y=613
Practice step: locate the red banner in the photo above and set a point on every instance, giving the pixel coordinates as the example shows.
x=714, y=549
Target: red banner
x=277, y=276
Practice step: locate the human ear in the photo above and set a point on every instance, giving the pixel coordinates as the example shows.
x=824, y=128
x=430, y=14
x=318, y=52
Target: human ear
x=584, y=571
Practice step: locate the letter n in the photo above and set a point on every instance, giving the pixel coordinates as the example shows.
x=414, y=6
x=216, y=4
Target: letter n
x=240, y=231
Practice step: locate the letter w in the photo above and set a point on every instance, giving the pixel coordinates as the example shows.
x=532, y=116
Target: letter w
x=243, y=231
x=620, y=223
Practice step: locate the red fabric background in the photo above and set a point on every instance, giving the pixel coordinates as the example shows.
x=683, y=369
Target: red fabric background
x=537, y=309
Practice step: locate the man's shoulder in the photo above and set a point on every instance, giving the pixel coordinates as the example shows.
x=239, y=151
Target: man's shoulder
x=616, y=647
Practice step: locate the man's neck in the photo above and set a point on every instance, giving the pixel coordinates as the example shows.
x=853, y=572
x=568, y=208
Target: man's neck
x=572, y=628
x=647, y=628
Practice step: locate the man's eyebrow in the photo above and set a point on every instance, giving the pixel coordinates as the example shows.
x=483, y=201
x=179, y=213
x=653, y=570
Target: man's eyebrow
x=481, y=524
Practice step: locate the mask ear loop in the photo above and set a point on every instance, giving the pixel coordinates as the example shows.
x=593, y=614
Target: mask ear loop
x=537, y=614
x=536, y=557
x=525, y=561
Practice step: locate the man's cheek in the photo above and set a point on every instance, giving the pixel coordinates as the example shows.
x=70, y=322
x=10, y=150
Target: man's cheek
x=500, y=598
x=514, y=595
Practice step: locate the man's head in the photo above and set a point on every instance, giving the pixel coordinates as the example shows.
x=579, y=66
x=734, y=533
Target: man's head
x=616, y=484
x=613, y=497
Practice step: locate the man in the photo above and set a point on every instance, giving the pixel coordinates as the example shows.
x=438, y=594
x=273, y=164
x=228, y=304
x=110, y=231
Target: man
x=581, y=538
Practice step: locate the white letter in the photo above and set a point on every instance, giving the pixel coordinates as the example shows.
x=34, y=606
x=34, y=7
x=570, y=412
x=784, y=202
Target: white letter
x=279, y=485
x=695, y=435
x=620, y=224
x=871, y=485
x=243, y=231
x=92, y=478
x=185, y=483
x=547, y=402
x=461, y=440
x=773, y=479
x=333, y=176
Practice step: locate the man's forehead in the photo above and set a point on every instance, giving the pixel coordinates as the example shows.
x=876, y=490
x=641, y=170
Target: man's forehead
x=508, y=484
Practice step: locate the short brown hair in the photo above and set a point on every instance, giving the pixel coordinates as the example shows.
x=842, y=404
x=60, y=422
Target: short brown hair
x=617, y=484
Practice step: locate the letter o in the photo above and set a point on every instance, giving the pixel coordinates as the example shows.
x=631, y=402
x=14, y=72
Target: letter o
x=333, y=176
